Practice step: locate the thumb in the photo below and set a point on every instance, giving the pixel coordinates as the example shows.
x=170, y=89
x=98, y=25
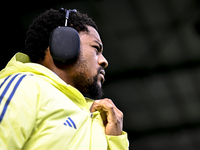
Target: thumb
x=95, y=106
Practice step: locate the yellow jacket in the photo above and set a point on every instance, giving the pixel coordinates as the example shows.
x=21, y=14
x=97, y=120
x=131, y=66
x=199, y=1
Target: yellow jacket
x=39, y=111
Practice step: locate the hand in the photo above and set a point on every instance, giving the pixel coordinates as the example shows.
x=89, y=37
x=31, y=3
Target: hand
x=112, y=117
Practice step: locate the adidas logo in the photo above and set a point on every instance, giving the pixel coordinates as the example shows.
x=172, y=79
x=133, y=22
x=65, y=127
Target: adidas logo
x=70, y=122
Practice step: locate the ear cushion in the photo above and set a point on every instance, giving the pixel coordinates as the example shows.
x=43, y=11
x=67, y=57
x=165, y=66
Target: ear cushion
x=64, y=44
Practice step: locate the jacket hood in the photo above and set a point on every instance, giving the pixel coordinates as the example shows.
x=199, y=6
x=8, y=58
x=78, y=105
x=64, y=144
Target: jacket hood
x=20, y=63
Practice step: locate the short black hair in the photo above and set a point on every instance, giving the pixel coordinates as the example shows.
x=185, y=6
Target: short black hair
x=37, y=36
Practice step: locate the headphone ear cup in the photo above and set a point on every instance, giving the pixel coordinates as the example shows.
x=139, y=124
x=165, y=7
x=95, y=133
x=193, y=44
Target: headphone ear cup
x=64, y=44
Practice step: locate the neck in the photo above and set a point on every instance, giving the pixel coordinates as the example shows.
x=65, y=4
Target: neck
x=63, y=71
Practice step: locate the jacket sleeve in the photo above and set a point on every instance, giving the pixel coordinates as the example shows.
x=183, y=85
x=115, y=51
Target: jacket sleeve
x=118, y=142
x=18, y=102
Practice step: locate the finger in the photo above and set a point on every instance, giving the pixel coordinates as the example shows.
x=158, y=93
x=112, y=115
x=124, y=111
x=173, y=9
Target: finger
x=107, y=108
x=106, y=105
x=113, y=110
x=112, y=117
x=95, y=106
x=101, y=105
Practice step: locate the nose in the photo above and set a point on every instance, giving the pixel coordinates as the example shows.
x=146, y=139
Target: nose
x=102, y=61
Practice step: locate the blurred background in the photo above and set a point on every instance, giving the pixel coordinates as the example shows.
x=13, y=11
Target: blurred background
x=153, y=49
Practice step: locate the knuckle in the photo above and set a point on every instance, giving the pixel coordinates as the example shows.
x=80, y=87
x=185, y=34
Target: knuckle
x=110, y=107
x=121, y=113
x=118, y=121
x=108, y=100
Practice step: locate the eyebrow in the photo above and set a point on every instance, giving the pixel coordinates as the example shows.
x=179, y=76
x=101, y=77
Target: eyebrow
x=100, y=45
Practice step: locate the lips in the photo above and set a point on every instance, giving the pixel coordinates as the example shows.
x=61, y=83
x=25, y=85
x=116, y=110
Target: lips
x=102, y=74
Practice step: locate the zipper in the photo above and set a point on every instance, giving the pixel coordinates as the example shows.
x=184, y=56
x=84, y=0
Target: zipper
x=91, y=117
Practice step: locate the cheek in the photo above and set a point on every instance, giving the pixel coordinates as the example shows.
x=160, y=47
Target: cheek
x=90, y=56
x=91, y=66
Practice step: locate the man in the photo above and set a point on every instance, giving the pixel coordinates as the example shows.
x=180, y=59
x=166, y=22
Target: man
x=43, y=103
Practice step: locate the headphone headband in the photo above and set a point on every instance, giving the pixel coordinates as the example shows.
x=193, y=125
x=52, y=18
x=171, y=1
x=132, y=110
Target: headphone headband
x=67, y=11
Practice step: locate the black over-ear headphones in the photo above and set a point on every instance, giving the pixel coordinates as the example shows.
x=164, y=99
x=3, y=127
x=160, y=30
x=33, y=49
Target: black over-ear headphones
x=64, y=42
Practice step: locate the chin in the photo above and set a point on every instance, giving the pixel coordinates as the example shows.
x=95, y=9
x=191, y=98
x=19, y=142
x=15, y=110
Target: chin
x=95, y=91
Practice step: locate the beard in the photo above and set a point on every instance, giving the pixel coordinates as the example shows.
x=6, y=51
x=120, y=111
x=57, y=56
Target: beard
x=88, y=86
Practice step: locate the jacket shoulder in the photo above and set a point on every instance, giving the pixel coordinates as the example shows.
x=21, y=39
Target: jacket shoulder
x=21, y=82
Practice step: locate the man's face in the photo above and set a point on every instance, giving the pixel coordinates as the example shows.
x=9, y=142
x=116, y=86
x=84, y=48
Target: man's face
x=89, y=69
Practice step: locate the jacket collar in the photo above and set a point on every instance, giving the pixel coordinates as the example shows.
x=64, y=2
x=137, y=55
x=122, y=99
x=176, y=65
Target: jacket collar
x=21, y=63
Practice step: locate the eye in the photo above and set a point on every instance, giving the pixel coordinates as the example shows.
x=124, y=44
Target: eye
x=97, y=49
